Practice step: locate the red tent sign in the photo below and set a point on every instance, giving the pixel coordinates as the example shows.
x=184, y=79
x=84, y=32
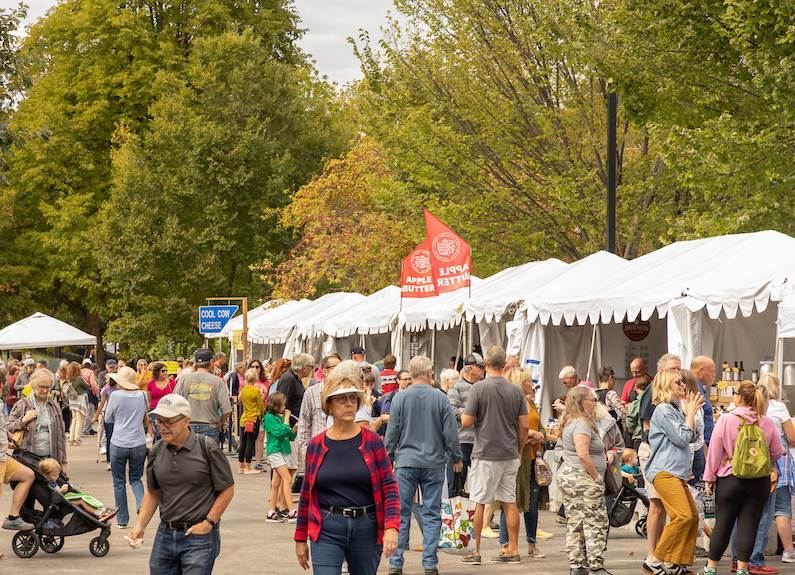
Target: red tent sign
x=416, y=277
x=451, y=256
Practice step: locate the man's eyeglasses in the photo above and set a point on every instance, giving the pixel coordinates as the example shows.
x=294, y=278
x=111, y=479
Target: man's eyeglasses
x=166, y=423
x=343, y=399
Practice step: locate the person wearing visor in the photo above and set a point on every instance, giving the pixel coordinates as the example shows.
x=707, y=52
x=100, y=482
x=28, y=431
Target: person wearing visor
x=349, y=504
x=189, y=478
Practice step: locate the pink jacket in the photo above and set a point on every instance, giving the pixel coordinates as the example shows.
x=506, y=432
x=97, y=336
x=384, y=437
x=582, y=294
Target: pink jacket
x=724, y=436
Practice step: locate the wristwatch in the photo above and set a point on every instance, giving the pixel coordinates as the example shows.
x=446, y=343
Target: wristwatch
x=210, y=521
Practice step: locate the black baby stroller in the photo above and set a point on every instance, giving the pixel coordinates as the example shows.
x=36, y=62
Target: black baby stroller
x=57, y=518
x=624, y=507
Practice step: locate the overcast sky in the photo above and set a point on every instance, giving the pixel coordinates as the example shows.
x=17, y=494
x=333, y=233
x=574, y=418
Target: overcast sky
x=329, y=24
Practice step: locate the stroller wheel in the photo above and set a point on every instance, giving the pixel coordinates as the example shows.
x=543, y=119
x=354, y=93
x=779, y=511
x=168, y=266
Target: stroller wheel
x=97, y=548
x=25, y=544
x=51, y=543
x=640, y=527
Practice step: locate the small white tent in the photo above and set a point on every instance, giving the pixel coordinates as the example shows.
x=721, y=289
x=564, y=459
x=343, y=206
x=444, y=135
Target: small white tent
x=42, y=331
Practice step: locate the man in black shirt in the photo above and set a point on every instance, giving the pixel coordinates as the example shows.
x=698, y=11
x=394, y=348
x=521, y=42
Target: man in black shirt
x=292, y=387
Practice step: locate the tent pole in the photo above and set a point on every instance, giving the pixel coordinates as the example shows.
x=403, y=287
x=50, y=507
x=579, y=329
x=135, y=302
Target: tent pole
x=590, y=356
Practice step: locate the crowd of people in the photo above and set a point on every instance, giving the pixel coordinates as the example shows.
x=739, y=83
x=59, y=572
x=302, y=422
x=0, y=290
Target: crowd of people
x=375, y=445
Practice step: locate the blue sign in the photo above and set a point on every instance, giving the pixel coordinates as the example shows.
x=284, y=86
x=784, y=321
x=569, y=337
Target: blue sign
x=213, y=318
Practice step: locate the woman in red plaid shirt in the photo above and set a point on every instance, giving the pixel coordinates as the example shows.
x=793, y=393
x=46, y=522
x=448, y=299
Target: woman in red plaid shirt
x=349, y=505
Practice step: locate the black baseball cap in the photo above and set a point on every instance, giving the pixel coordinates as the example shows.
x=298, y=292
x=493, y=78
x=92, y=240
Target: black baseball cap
x=203, y=355
x=357, y=350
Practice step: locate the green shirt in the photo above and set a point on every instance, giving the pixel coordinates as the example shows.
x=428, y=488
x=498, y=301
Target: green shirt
x=278, y=433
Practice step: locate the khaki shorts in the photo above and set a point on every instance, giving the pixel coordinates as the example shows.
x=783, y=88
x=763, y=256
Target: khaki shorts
x=7, y=470
x=644, y=453
x=296, y=459
x=493, y=480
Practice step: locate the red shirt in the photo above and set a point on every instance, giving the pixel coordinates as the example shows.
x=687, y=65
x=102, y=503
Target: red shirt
x=388, y=380
x=385, y=489
x=628, y=387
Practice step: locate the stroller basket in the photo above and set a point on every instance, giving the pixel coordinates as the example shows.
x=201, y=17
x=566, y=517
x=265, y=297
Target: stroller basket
x=624, y=504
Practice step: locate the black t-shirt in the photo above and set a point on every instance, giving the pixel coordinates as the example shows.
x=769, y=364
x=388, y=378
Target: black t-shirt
x=646, y=410
x=343, y=479
x=293, y=389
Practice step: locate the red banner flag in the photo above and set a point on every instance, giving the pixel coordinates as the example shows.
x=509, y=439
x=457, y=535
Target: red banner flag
x=451, y=256
x=416, y=279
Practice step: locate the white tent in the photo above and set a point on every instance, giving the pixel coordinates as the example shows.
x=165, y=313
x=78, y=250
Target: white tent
x=42, y=331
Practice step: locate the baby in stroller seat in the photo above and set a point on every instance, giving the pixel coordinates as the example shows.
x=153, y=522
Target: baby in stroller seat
x=630, y=470
x=51, y=469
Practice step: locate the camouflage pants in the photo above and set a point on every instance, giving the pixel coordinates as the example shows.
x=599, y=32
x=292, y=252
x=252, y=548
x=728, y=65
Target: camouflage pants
x=584, y=502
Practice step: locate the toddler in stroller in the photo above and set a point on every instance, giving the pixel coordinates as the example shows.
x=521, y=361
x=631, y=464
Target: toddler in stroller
x=52, y=470
x=628, y=496
x=54, y=516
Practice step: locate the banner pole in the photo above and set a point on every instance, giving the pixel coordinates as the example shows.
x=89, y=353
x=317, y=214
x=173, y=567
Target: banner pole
x=401, y=286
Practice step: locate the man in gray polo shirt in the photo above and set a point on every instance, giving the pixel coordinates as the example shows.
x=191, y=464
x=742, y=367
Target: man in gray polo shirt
x=189, y=478
x=208, y=396
x=498, y=410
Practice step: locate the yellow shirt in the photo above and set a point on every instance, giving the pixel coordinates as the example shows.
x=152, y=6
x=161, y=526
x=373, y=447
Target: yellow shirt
x=253, y=406
x=27, y=390
x=534, y=419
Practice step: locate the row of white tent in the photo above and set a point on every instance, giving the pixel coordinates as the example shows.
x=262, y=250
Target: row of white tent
x=600, y=309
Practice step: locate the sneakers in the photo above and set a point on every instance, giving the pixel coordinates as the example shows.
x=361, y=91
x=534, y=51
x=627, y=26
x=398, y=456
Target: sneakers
x=701, y=552
x=707, y=570
x=788, y=556
x=653, y=569
x=762, y=570
x=274, y=517
x=561, y=520
x=678, y=570
x=17, y=524
x=473, y=559
x=395, y=571
x=489, y=533
x=109, y=514
x=535, y=553
x=433, y=571
x=505, y=558
x=543, y=534
x=600, y=571
x=292, y=516
x=259, y=467
x=578, y=571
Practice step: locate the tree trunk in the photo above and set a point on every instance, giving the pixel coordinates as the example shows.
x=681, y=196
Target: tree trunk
x=93, y=327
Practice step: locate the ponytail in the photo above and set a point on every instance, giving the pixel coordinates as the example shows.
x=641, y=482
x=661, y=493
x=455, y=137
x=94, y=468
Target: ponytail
x=753, y=396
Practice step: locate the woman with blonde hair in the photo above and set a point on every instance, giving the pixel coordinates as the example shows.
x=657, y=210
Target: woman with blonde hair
x=78, y=406
x=527, y=488
x=142, y=378
x=736, y=498
x=672, y=429
x=581, y=481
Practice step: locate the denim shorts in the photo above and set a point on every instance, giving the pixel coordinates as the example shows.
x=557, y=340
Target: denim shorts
x=277, y=459
x=783, y=503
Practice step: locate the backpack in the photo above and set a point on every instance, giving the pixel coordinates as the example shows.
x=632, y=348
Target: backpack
x=633, y=418
x=68, y=390
x=751, y=458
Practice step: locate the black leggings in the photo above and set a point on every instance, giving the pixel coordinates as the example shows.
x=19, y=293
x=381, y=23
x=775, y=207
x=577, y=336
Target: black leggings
x=742, y=500
x=248, y=442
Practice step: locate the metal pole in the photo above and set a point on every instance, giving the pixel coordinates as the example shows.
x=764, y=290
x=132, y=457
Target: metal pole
x=245, y=329
x=612, y=105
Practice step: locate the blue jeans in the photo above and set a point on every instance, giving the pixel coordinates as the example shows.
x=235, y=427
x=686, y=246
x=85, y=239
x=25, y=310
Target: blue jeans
x=174, y=553
x=466, y=452
x=699, y=463
x=430, y=482
x=119, y=457
x=208, y=430
x=762, y=536
x=346, y=538
x=530, y=516
x=153, y=417
x=108, y=436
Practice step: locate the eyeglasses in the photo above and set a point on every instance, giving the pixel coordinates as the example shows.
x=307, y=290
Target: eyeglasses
x=679, y=382
x=166, y=423
x=255, y=365
x=343, y=399
x=47, y=387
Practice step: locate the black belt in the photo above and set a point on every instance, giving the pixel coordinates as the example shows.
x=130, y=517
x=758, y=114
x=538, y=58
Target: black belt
x=349, y=511
x=182, y=525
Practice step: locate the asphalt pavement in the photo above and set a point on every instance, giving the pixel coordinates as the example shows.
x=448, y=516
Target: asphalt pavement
x=250, y=545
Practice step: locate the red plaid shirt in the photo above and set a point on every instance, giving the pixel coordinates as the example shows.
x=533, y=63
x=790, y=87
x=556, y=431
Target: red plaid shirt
x=385, y=490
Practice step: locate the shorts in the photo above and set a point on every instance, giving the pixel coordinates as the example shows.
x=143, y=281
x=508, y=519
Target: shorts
x=296, y=460
x=7, y=470
x=277, y=459
x=644, y=453
x=783, y=503
x=493, y=480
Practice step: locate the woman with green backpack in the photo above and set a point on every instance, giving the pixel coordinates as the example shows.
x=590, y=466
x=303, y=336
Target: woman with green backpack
x=744, y=444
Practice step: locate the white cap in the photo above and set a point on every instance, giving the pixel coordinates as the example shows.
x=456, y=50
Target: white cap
x=172, y=405
x=355, y=390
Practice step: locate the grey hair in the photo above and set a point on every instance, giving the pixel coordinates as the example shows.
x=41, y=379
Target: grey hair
x=302, y=360
x=495, y=357
x=349, y=369
x=665, y=359
x=42, y=374
x=567, y=371
x=449, y=375
x=419, y=366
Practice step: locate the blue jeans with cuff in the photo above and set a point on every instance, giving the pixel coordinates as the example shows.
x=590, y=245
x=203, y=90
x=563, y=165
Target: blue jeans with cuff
x=174, y=553
x=431, y=483
x=120, y=457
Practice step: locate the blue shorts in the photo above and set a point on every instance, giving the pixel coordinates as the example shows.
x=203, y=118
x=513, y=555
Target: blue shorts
x=783, y=503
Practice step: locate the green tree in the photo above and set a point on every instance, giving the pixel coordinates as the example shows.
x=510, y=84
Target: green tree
x=193, y=200
x=95, y=67
x=355, y=223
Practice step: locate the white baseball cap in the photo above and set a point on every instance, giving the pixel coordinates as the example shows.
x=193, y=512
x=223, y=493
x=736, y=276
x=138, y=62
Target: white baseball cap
x=172, y=405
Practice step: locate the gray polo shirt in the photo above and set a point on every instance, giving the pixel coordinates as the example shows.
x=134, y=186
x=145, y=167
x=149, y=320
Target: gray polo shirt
x=187, y=482
x=206, y=393
x=496, y=404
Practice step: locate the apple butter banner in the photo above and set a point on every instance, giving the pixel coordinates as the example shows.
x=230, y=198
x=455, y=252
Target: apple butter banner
x=451, y=256
x=416, y=279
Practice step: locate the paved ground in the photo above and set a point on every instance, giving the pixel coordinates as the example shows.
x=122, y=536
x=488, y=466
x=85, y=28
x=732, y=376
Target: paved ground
x=249, y=545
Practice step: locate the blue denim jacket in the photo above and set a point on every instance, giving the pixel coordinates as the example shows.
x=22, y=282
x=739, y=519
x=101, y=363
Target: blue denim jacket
x=670, y=439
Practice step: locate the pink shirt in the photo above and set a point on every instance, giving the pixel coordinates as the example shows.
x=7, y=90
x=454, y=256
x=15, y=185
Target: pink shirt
x=724, y=436
x=157, y=393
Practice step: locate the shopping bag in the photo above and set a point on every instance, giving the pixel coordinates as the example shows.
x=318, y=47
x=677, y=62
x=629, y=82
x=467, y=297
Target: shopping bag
x=458, y=531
